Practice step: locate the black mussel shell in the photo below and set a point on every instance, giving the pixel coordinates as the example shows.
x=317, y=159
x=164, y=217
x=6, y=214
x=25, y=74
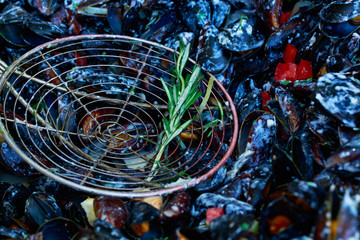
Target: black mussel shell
x=13, y=13
x=213, y=182
x=211, y=56
x=41, y=207
x=338, y=30
x=347, y=160
x=210, y=200
x=299, y=25
x=106, y=231
x=339, y=96
x=323, y=127
x=232, y=226
x=58, y=229
x=240, y=4
x=243, y=35
x=290, y=108
x=13, y=162
x=12, y=33
x=163, y=26
x=261, y=137
x=115, y=15
x=142, y=212
x=270, y=11
x=247, y=99
x=284, y=168
x=245, y=129
x=337, y=12
x=259, y=185
x=39, y=32
x=291, y=211
x=221, y=10
x=237, y=187
x=196, y=14
x=336, y=63
x=349, y=48
x=13, y=201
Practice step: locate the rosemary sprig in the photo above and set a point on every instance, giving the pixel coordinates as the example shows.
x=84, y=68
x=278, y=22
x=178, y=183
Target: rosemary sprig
x=180, y=97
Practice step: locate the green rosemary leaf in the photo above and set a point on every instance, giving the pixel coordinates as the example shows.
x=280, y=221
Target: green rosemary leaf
x=177, y=131
x=168, y=94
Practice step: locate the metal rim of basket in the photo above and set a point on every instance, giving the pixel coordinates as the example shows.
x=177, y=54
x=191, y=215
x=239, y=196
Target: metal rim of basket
x=83, y=185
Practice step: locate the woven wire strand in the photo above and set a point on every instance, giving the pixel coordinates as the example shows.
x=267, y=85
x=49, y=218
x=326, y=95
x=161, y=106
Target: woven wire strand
x=87, y=111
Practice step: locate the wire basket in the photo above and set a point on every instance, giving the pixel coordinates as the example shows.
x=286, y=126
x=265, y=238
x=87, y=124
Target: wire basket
x=86, y=111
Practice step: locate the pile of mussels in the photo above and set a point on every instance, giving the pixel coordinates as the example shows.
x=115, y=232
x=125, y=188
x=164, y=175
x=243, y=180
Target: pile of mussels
x=292, y=68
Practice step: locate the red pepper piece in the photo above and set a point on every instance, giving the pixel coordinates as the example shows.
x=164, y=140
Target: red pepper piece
x=304, y=71
x=213, y=213
x=284, y=17
x=265, y=97
x=285, y=71
x=80, y=60
x=289, y=53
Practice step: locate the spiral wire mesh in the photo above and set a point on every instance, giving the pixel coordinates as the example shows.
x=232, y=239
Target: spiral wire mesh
x=87, y=111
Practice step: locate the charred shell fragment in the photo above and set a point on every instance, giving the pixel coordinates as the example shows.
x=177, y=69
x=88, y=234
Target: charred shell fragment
x=339, y=96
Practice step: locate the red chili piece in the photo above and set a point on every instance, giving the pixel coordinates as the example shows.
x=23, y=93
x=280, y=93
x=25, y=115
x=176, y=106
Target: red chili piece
x=285, y=71
x=289, y=53
x=304, y=71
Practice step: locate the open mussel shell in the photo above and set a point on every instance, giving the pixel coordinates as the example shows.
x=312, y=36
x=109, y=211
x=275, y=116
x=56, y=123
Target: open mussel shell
x=41, y=207
x=142, y=212
x=337, y=12
x=347, y=160
x=12, y=33
x=245, y=34
x=13, y=13
x=338, y=30
x=302, y=25
x=291, y=211
x=339, y=19
x=339, y=217
x=59, y=229
x=38, y=32
x=349, y=49
x=270, y=11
